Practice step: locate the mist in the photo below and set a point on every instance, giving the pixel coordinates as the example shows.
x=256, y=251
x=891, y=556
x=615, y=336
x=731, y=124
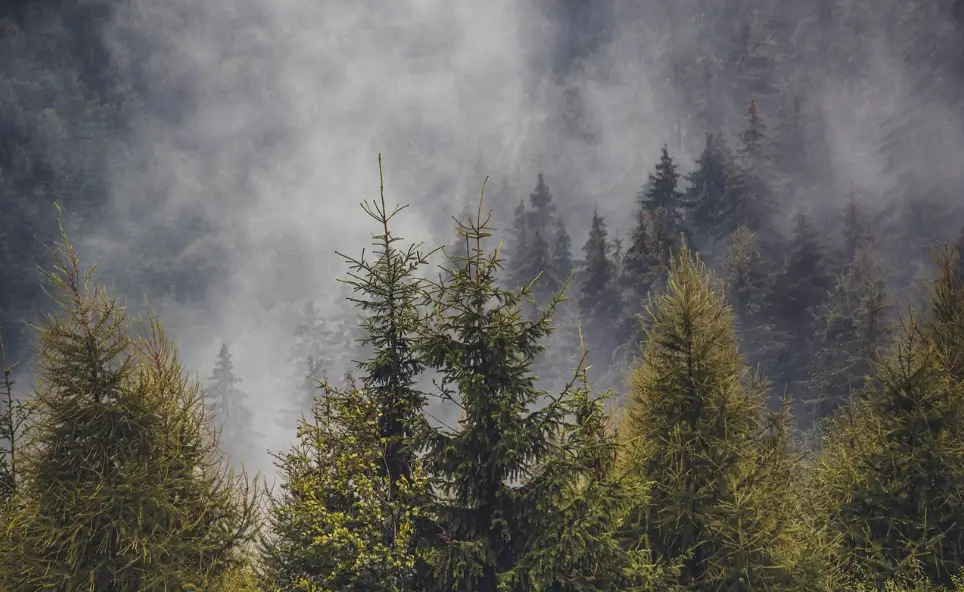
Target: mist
x=262, y=121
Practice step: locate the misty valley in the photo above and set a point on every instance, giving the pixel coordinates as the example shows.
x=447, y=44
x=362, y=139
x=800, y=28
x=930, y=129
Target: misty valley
x=544, y=296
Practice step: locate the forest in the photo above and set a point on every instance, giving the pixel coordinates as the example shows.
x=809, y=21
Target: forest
x=738, y=366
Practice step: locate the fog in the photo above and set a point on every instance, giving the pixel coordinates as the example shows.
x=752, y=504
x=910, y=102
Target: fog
x=265, y=119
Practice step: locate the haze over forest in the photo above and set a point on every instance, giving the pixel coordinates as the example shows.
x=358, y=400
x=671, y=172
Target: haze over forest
x=211, y=155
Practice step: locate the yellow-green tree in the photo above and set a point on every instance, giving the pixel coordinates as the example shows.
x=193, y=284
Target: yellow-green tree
x=722, y=470
x=124, y=487
x=890, y=475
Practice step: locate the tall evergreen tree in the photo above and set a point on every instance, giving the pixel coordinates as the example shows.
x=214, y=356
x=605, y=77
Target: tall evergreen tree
x=890, y=471
x=721, y=502
x=516, y=247
x=707, y=185
x=124, y=487
x=662, y=193
x=851, y=328
x=599, y=302
x=354, y=481
x=543, y=209
x=509, y=519
x=748, y=198
x=750, y=287
x=226, y=403
x=561, y=251
x=856, y=228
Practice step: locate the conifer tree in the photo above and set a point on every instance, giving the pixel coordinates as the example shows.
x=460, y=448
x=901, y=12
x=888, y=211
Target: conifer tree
x=639, y=264
x=123, y=484
x=706, y=186
x=599, y=302
x=750, y=285
x=353, y=487
x=722, y=471
x=804, y=285
x=856, y=229
x=851, y=328
x=226, y=403
x=890, y=470
x=662, y=193
x=561, y=252
x=748, y=198
x=543, y=209
x=513, y=503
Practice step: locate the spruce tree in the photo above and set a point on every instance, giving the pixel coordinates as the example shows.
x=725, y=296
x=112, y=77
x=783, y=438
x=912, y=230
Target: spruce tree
x=662, y=193
x=353, y=486
x=543, y=209
x=562, y=265
x=123, y=484
x=514, y=503
x=599, y=302
x=851, y=328
x=891, y=467
x=721, y=503
x=748, y=198
x=750, y=287
x=516, y=248
x=856, y=229
x=226, y=404
x=706, y=187
x=804, y=285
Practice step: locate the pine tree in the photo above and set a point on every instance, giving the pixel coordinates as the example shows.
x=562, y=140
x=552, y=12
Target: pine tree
x=851, y=328
x=226, y=403
x=13, y=420
x=662, y=194
x=599, y=303
x=804, y=285
x=543, y=209
x=750, y=285
x=514, y=506
x=856, y=229
x=889, y=474
x=353, y=486
x=721, y=502
x=123, y=484
x=561, y=251
x=748, y=198
x=706, y=187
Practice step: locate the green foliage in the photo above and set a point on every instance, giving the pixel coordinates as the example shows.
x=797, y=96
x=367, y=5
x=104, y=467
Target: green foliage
x=599, y=301
x=340, y=523
x=514, y=503
x=123, y=484
x=890, y=472
x=722, y=471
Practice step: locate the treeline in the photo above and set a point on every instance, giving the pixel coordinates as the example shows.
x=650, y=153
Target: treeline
x=114, y=477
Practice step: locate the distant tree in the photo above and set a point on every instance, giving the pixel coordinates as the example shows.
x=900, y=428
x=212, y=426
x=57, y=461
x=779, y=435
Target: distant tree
x=561, y=251
x=123, y=485
x=227, y=405
x=721, y=504
x=543, y=210
x=856, y=228
x=662, y=193
x=747, y=198
x=804, y=285
x=14, y=418
x=599, y=302
x=750, y=286
x=707, y=186
x=852, y=327
x=516, y=247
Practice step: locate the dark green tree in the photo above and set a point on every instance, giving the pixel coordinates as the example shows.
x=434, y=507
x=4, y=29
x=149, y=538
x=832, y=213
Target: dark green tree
x=543, y=210
x=706, y=187
x=662, y=193
x=748, y=198
x=516, y=504
x=353, y=487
